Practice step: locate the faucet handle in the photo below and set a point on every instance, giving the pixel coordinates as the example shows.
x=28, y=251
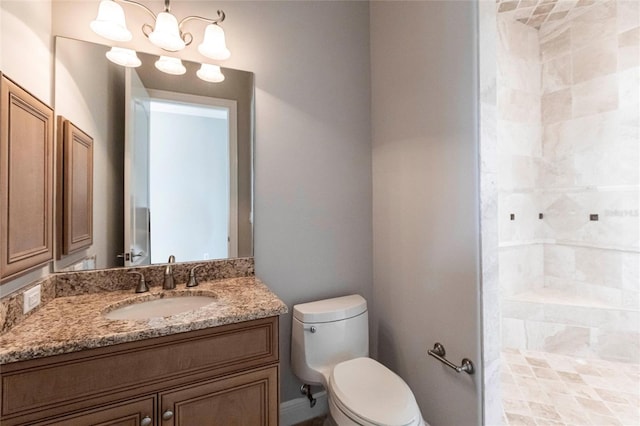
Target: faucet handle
x=192, y=277
x=142, y=286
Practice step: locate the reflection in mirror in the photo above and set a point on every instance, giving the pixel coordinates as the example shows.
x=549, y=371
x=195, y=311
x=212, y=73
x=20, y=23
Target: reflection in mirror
x=177, y=178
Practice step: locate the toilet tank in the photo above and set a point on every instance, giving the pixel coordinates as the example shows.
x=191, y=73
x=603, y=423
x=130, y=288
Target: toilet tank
x=325, y=333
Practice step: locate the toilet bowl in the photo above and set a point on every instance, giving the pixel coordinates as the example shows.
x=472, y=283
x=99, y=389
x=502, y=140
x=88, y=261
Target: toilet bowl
x=330, y=347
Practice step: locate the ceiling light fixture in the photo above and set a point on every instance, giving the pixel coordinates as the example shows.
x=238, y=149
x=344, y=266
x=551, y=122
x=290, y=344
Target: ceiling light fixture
x=210, y=73
x=170, y=65
x=124, y=57
x=166, y=33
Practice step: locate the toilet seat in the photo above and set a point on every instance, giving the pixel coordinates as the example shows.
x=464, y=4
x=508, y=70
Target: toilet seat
x=371, y=394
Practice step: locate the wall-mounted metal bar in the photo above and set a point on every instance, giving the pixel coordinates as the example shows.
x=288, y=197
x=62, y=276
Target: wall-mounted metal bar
x=438, y=353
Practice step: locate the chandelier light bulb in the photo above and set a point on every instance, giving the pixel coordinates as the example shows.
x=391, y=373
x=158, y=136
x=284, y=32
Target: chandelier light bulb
x=166, y=34
x=214, y=45
x=170, y=65
x=124, y=57
x=210, y=73
x=110, y=22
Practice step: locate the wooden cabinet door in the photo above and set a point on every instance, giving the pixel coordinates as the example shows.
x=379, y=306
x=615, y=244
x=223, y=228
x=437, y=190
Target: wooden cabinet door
x=26, y=181
x=134, y=413
x=247, y=399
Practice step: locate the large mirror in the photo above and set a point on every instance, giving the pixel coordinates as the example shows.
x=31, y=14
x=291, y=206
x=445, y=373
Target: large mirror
x=173, y=158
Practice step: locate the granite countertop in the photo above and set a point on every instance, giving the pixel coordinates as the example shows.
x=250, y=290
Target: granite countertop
x=74, y=323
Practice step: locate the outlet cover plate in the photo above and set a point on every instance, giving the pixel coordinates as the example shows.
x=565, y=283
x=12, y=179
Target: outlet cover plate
x=31, y=298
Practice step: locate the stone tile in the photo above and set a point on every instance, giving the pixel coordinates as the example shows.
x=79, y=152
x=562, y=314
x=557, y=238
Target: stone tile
x=544, y=9
x=520, y=420
x=537, y=362
x=557, y=16
x=578, y=403
x=535, y=394
x=588, y=370
x=614, y=396
x=557, y=74
x=628, y=14
x=513, y=357
x=573, y=416
x=594, y=96
x=560, y=363
x=594, y=406
x=507, y=6
x=557, y=106
x=629, y=49
x=512, y=390
x=600, y=420
x=582, y=391
x=545, y=373
x=516, y=406
x=526, y=381
x=517, y=40
x=527, y=3
x=597, y=59
x=573, y=378
x=521, y=370
x=554, y=386
x=626, y=414
x=519, y=106
x=545, y=411
x=586, y=33
x=555, y=46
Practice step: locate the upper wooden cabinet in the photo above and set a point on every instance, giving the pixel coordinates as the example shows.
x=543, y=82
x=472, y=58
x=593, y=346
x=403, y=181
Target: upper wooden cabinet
x=26, y=181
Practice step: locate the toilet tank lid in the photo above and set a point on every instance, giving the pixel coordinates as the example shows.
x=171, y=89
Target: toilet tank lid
x=328, y=310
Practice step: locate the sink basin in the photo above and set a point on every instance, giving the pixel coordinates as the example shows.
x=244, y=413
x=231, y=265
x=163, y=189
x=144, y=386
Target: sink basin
x=164, y=307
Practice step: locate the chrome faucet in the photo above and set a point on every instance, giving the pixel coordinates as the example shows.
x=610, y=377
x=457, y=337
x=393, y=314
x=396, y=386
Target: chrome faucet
x=169, y=282
x=142, y=286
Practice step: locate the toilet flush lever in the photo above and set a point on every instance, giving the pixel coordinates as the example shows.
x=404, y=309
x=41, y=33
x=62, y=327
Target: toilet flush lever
x=438, y=353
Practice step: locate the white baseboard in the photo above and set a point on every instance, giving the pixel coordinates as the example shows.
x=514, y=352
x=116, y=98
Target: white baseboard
x=298, y=410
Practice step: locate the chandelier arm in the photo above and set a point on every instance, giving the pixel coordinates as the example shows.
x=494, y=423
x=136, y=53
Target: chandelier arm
x=220, y=18
x=135, y=3
x=187, y=40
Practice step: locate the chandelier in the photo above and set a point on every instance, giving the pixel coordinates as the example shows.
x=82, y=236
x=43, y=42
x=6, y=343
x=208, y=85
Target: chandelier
x=167, y=34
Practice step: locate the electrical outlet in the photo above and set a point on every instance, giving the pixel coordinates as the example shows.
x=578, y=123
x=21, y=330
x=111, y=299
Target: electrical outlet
x=31, y=298
x=205, y=256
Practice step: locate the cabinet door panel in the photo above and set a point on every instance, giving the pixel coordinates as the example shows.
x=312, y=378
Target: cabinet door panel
x=26, y=181
x=249, y=399
x=125, y=414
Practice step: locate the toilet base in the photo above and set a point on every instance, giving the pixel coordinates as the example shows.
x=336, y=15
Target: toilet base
x=336, y=417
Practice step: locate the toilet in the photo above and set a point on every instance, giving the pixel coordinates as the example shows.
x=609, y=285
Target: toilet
x=330, y=347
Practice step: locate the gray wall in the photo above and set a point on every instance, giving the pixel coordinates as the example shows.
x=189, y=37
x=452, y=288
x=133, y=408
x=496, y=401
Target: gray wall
x=26, y=58
x=312, y=154
x=425, y=200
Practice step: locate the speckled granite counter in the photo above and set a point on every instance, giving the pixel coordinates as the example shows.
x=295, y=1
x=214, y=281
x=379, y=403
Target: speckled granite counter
x=69, y=324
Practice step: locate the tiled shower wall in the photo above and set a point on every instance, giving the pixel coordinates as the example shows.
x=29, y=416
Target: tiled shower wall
x=580, y=158
x=590, y=138
x=519, y=157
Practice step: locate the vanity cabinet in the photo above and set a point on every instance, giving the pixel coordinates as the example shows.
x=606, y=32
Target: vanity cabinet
x=26, y=181
x=138, y=413
x=221, y=375
x=244, y=399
